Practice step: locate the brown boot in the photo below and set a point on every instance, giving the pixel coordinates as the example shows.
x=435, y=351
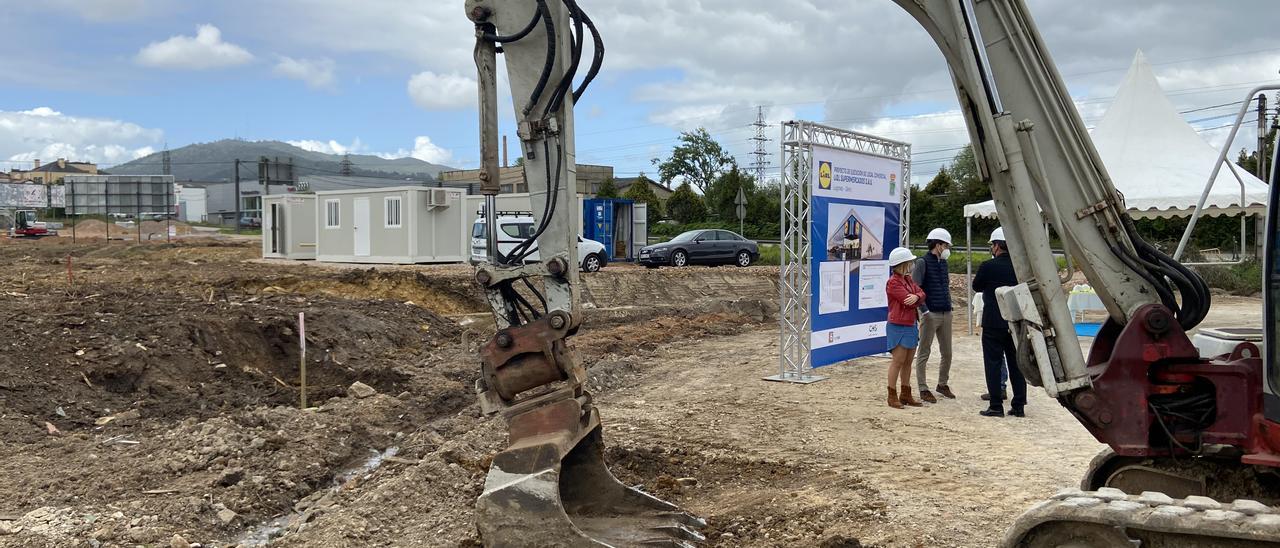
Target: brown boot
x=907, y=398
x=946, y=392
x=927, y=396
x=893, y=399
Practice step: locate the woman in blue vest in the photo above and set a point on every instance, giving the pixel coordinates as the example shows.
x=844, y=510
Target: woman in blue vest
x=932, y=275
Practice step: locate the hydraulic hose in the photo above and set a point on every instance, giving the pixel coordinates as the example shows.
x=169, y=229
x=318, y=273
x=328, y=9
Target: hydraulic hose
x=551, y=57
x=597, y=58
x=537, y=16
x=575, y=40
x=1195, y=293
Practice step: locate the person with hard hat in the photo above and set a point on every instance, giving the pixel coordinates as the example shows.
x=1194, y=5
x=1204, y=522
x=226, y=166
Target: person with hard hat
x=997, y=342
x=904, y=298
x=932, y=275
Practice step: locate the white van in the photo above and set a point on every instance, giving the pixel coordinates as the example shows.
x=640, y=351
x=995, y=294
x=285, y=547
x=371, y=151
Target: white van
x=514, y=228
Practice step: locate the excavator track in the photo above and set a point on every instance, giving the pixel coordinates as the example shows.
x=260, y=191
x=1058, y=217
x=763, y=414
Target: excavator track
x=1109, y=518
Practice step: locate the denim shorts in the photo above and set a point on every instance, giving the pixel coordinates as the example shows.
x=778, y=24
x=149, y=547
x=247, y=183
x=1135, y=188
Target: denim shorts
x=906, y=336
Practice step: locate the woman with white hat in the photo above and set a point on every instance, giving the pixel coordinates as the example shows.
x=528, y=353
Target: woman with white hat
x=903, y=337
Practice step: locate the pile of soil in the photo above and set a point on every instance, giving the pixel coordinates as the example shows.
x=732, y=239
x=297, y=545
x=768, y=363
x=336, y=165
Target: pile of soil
x=93, y=228
x=154, y=392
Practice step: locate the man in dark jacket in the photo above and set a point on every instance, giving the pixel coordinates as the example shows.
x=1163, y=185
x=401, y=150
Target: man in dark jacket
x=932, y=275
x=997, y=342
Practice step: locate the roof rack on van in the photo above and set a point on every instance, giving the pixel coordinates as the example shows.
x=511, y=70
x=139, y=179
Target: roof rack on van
x=500, y=213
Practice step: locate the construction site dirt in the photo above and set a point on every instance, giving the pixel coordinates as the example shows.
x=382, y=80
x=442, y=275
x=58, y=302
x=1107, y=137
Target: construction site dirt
x=149, y=395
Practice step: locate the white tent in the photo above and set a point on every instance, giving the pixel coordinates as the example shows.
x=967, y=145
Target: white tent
x=1157, y=161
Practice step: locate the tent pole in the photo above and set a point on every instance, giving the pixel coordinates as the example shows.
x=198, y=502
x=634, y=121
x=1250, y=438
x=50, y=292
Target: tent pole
x=968, y=269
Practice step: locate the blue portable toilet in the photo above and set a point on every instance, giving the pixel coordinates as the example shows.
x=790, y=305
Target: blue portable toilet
x=614, y=222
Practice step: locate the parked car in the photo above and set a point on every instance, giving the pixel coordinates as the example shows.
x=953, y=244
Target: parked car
x=710, y=246
x=251, y=222
x=516, y=228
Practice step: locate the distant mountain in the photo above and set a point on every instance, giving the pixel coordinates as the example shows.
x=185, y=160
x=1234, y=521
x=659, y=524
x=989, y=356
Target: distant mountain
x=215, y=162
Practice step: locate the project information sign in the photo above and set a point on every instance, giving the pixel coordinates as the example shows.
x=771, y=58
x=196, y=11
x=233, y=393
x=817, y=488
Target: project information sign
x=856, y=210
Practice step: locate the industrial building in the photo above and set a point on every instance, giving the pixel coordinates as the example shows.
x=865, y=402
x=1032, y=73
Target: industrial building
x=511, y=178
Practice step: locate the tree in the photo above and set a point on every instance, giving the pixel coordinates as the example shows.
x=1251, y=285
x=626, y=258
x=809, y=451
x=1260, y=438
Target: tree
x=608, y=189
x=1249, y=160
x=641, y=191
x=721, y=196
x=685, y=206
x=698, y=160
x=941, y=202
x=968, y=179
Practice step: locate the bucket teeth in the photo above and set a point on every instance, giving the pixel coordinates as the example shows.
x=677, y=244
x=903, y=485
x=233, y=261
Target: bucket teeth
x=686, y=519
x=680, y=532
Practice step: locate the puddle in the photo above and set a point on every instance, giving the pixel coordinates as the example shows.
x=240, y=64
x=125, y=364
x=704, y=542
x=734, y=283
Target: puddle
x=264, y=533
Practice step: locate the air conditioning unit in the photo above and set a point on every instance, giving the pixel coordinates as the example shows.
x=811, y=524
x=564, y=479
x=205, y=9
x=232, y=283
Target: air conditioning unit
x=438, y=197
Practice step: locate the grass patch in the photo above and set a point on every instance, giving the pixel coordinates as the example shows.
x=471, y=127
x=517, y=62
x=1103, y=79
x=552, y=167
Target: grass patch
x=770, y=254
x=243, y=231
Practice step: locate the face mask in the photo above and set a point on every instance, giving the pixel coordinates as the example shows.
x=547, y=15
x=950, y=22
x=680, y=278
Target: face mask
x=946, y=253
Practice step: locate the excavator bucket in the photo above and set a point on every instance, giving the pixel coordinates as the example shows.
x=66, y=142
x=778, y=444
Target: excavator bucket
x=555, y=490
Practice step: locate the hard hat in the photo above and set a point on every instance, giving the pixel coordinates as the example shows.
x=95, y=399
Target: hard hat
x=997, y=235
x=939, y=234
x=899, y=256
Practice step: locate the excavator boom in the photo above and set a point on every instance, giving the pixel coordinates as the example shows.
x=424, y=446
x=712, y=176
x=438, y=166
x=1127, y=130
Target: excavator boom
x=550, y=486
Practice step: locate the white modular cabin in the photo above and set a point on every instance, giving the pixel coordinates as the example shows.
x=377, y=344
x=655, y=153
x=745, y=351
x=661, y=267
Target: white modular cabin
x=289, y=226
x=393, y=225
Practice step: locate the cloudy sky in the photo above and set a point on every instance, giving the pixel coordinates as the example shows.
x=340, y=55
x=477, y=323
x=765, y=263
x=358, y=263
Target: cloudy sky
x=110, y=80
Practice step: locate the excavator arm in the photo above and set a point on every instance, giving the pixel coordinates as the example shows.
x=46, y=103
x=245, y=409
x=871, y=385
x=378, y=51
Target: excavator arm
x=1034, y=149
x=550, y=486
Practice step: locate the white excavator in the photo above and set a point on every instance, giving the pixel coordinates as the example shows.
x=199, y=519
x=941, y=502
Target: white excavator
x=1194, y=442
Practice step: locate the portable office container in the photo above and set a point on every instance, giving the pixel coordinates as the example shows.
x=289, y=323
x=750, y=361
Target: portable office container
x=396, y=225
x=289, y=226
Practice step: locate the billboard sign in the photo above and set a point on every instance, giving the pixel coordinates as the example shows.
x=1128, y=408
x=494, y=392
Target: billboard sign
x=856, y=210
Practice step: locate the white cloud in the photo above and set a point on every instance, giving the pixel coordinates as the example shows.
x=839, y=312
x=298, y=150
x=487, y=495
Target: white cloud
x=46, y=134
x=205, y=50
x=329, y=147
x=317, y=73
x=433, y=91
x=423, y=149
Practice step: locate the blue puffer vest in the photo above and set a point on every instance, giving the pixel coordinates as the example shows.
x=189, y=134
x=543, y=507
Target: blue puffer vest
x=936, y=284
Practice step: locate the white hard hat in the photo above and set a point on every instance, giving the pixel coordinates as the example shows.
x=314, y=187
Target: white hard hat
x=939, y=234
x=899, y=256
x=997, y=235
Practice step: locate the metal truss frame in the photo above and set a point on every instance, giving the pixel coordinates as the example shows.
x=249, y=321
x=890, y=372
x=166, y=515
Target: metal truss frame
x=795, y=280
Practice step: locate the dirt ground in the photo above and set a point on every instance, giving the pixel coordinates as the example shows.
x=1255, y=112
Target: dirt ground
x=150, y=397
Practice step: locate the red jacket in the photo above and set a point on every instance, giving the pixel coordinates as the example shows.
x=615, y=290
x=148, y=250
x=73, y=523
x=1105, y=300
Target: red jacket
x=898, y=288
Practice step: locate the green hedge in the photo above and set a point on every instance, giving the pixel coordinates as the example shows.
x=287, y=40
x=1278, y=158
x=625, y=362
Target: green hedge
x=956, y=264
